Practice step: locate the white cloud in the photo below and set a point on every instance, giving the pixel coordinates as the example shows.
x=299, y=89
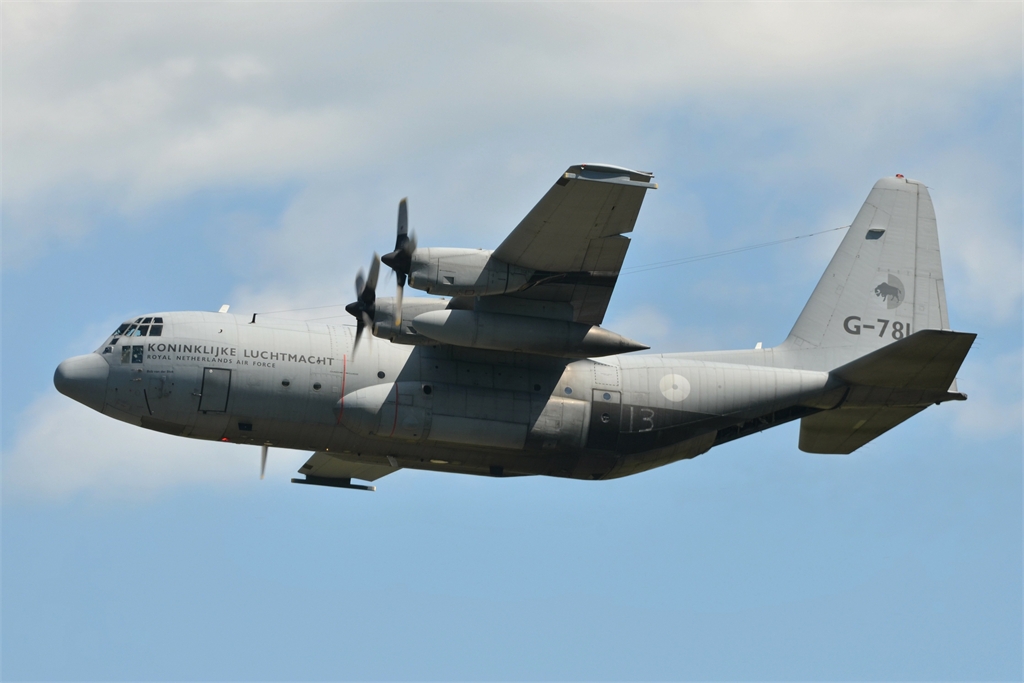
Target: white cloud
x=358, y=105
x=981, y=246
x=993, y=388
x=242, y=67
x=142, y=103
x=64, y=449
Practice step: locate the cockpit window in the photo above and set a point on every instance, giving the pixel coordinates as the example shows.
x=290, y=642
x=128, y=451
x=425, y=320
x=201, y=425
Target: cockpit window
x=140, y=328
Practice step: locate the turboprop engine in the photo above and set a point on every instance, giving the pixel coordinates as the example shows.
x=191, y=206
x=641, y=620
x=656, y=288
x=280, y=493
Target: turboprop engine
x=384, y=316
x=389, y=324
x=449, y=271
x=465, y=272
x=472, y=275
x=501, y=332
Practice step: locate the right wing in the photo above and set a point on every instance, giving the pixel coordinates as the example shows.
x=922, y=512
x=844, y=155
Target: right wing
x=575, y=239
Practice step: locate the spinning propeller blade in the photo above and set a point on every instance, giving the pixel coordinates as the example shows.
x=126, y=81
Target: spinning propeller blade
x=363, y=308
x=400, y=260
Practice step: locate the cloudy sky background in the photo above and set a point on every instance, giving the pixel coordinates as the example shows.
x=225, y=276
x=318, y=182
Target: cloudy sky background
x=182, y=156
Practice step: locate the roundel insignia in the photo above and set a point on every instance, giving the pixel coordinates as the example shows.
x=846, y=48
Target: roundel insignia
x=891, y=292
x=674, y=387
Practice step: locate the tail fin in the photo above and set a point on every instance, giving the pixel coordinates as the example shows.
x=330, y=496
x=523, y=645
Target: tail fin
x=885, y=281
x=883, y=285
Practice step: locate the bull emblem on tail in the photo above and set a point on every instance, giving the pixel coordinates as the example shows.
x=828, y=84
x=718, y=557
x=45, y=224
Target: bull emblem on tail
x=886, y=290
x=890, y=292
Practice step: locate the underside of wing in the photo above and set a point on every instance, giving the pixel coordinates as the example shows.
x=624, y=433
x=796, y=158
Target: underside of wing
x=574, y=238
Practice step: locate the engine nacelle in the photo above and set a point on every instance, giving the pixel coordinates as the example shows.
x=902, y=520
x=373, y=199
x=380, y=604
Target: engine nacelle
x=384, y=319
x=465, y=272
x=502, y=332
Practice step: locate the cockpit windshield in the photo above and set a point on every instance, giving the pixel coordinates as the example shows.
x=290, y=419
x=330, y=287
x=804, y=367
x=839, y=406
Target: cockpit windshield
x=142, y=327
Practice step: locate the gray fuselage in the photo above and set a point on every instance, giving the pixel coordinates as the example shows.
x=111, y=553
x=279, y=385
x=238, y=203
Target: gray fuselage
x=299, y=385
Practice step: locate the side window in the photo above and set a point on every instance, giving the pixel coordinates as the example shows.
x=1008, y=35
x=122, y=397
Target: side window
x=130, y=332
x=143, y=329
x=156, y=330
x=137, y=354
x=126, y=354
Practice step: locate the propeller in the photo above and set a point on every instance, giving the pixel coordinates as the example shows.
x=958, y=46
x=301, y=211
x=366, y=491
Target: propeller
x=400, y=260
x=263, y=460
x=363, y=308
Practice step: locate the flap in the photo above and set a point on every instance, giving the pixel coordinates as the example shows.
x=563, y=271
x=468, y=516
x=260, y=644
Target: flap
x=324, y=465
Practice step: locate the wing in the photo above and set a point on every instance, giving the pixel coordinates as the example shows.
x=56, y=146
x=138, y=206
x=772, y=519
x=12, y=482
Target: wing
x=328, y=469
x=575, y=239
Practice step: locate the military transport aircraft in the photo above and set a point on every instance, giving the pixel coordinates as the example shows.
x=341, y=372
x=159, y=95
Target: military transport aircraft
x=507, y=371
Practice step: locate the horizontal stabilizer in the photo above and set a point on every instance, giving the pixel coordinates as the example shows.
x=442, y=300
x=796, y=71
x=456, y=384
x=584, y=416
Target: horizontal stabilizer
x=845, y=430
x=888, y=386
x=329, y=466
x=928, y=359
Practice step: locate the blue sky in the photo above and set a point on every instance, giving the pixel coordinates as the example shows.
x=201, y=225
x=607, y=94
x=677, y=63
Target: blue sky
x=173, y=157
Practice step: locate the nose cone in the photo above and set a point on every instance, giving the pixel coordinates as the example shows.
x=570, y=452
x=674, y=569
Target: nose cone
x=83, y=378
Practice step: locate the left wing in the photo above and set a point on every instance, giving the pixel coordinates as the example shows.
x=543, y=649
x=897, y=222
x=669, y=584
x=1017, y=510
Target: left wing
x=327, y=469
x=575, y=239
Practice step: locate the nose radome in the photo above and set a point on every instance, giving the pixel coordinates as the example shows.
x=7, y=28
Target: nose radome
x=83, y=378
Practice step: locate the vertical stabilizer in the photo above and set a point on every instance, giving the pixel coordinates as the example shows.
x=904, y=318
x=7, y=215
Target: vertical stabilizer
x=885, y=281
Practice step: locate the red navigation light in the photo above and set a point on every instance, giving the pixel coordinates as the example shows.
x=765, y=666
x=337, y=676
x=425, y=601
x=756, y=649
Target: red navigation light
x=899, y=175
x=225, y=439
